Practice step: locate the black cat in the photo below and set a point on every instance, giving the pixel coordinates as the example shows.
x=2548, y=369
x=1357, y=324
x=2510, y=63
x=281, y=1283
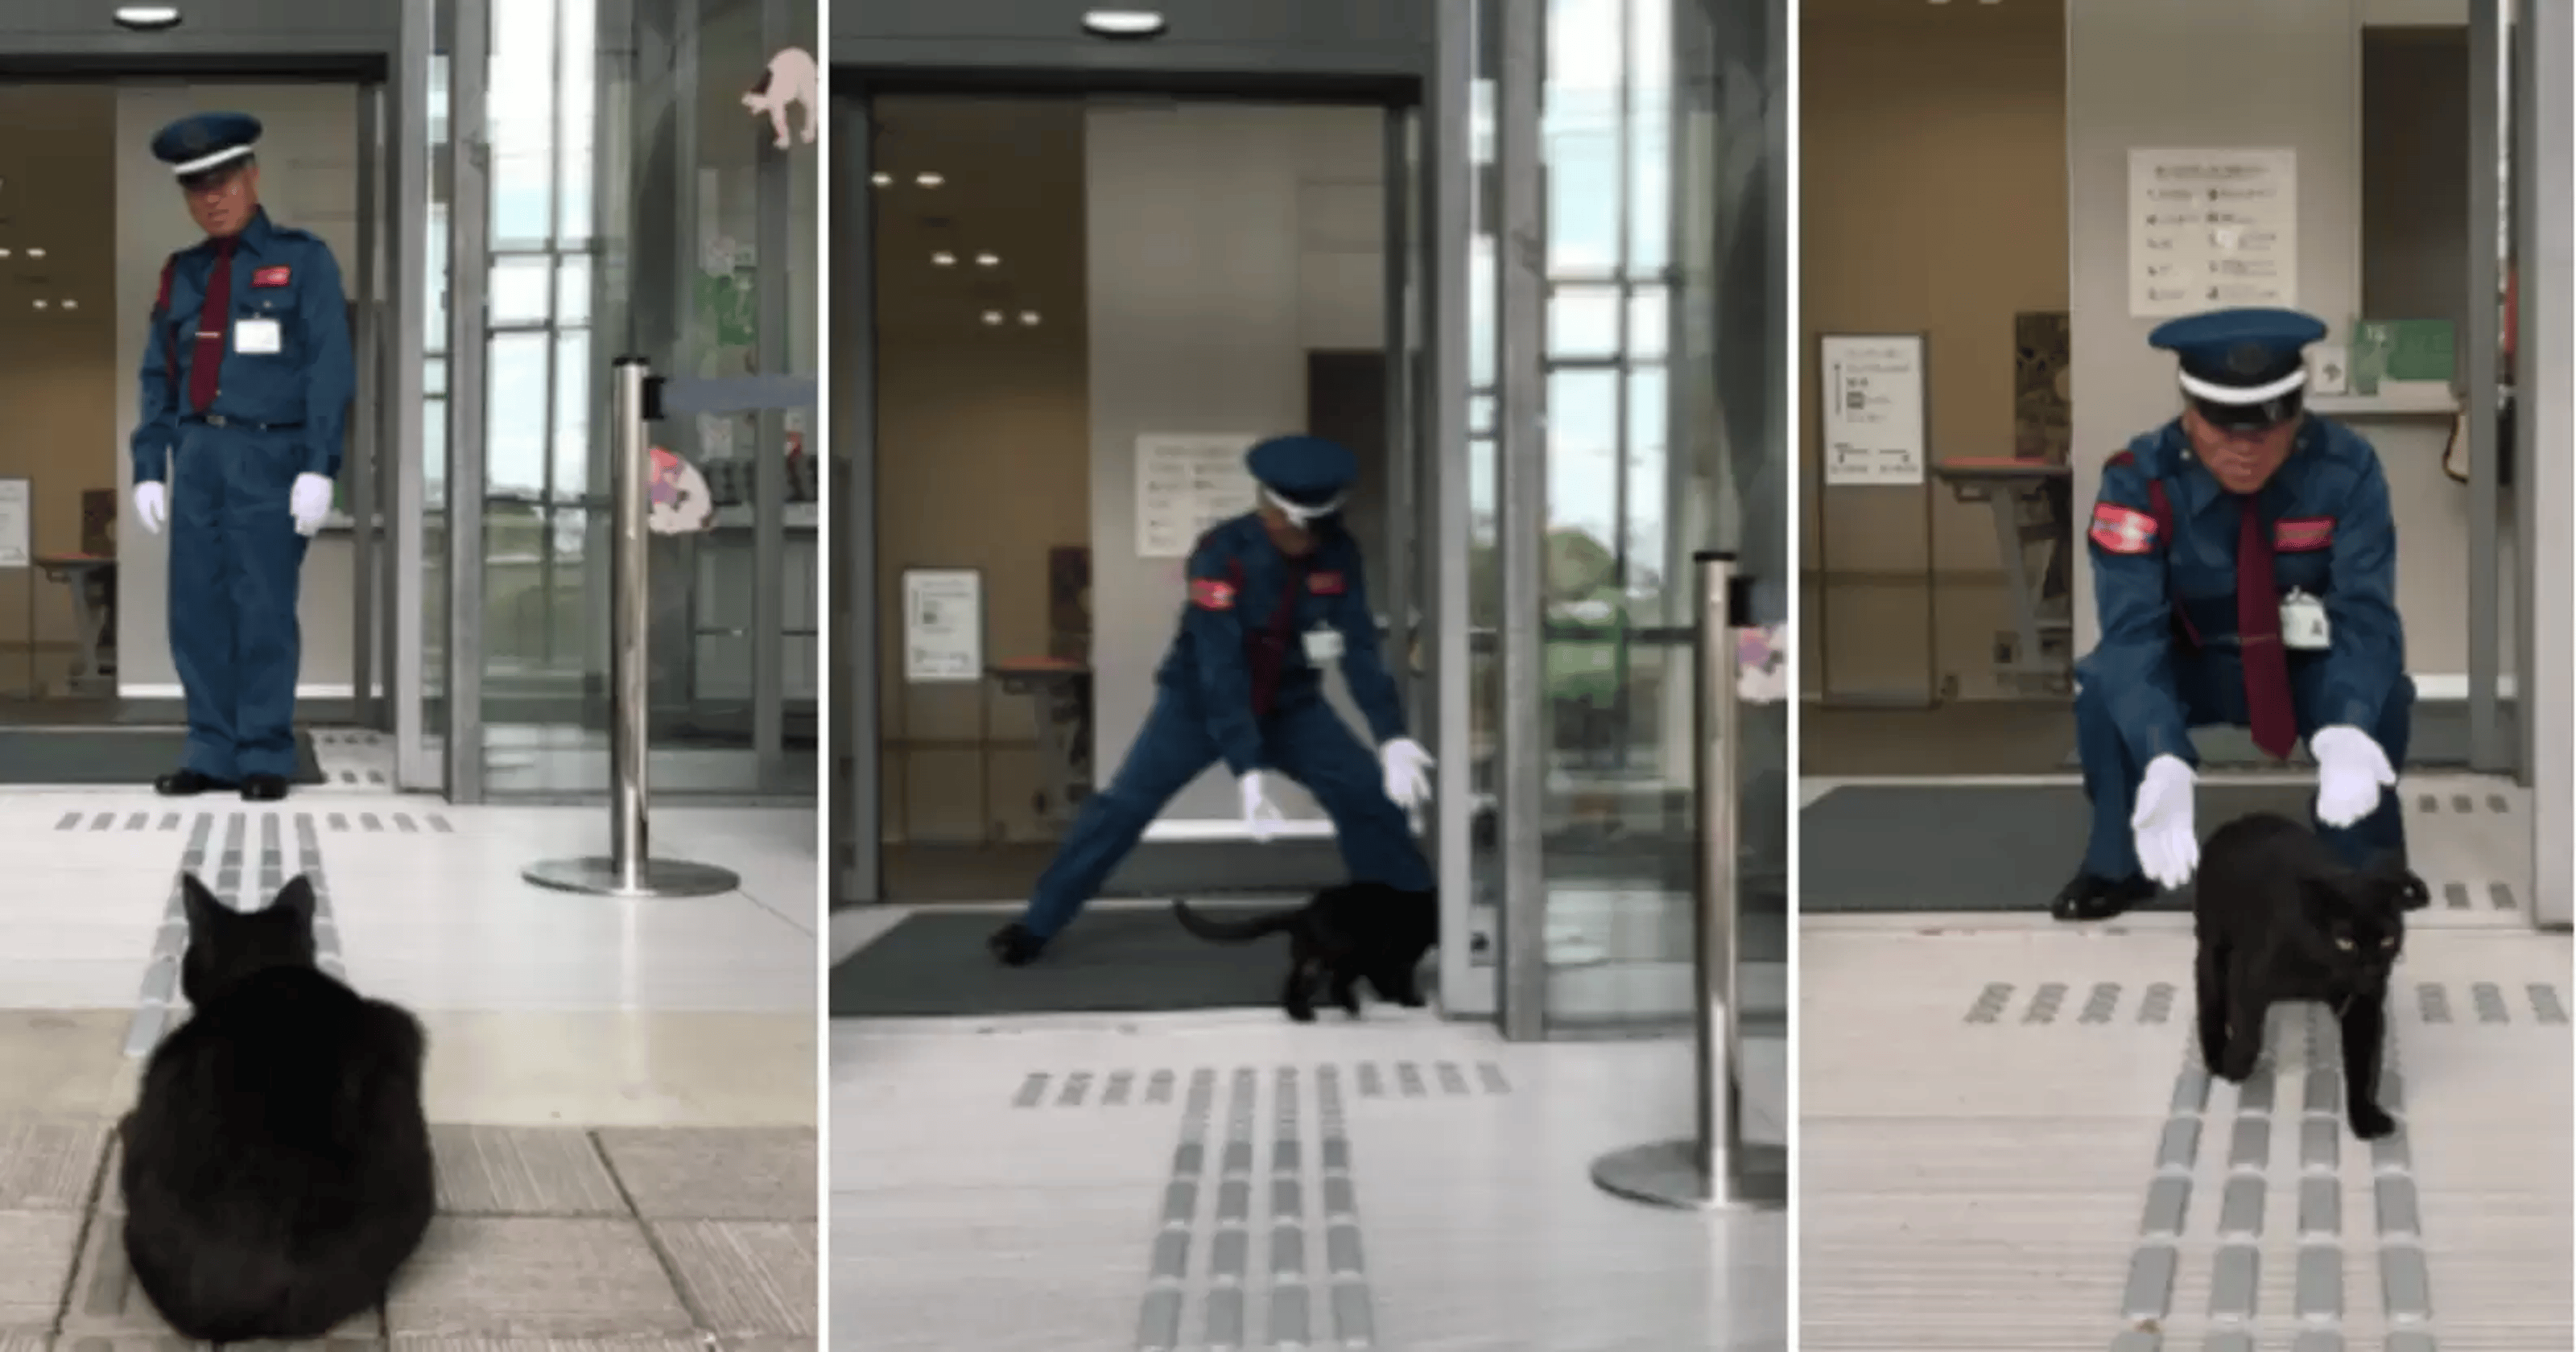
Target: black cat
x=2279, y=918
x=277, y=1164
x=1345, y=934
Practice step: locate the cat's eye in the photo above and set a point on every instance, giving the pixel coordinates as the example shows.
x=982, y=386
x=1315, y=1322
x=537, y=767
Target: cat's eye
x=2389, y=942
x=2343, y=943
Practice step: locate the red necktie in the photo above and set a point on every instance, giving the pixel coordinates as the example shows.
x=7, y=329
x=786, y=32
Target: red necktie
x=2258, y=632
x=214, y=329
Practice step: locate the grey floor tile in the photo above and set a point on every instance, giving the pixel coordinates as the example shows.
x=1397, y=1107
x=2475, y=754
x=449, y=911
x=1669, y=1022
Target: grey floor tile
x=49, y=1164
x=746, y=1278
x=536, y=1277
x=522, y=1171
x=108, y=1303
x=406, y=1342
x=26, y=1340
x=36, y=1251
x=716, y=1173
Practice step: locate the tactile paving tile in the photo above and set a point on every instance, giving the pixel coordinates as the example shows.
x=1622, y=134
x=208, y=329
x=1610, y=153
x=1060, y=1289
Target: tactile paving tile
x=36, y=1249
x=536, y=1277
x=49, y=1164
x=746, y=1278
x=522, y=1171
x=415, y=1342
x=744, y=1173
x=2106, y=1003
x=106, y=1301
x=1153, y=1088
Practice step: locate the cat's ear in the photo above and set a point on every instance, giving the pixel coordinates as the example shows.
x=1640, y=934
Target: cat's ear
x=2400, y=890
x=204, y=909
x=296, y=899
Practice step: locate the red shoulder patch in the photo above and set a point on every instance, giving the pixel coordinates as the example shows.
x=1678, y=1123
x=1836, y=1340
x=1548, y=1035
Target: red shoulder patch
x=2303, y=535
x=2122, y=531
x=1209, y=594
x=272, y=276
x=1326, y=584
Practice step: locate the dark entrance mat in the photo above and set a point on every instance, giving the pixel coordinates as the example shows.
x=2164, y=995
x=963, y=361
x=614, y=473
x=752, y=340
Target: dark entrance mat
x=133, y=756
x=1966, y=848
x=1108, y=961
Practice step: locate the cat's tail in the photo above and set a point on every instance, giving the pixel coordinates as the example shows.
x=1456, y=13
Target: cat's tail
x=1234, y=931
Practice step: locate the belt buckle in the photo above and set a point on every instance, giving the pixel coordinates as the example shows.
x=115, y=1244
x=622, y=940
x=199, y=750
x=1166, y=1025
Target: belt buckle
x=216, y=420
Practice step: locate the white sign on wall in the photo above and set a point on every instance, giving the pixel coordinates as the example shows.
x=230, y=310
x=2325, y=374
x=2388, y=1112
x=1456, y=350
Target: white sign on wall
x=17, y=523
x=2212, y=228
x=943, y=625
x=1187, y=484
x=1874, y=427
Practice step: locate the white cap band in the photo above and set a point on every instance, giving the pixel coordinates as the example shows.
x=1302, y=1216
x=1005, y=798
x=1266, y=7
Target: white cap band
x=201, y=165
x=1300, y=513
x=2238, y=397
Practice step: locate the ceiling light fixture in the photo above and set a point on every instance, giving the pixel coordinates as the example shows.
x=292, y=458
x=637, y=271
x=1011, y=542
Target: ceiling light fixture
x=988, y=260
x=1029, y=318
x=990, y=316
x=881, y=178
x=4, y=253
x=40, y=305
x=147, y=18
x=943, y=259
x=1127, y=24
x=71, y=305
x=929, y=180
x=35, y=253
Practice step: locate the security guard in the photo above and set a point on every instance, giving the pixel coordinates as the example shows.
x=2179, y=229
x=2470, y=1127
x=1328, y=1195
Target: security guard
x=247, y=379
x=2245, y=570
x=1275, y=597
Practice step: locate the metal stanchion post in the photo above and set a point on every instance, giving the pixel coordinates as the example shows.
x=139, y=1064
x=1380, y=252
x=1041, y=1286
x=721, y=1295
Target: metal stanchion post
x=1718, y=1168
x=629, y=869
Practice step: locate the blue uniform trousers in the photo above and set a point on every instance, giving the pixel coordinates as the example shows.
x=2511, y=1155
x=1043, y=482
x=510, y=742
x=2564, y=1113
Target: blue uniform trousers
x=2212, y=685
x=235, y=561
x=1305, y=741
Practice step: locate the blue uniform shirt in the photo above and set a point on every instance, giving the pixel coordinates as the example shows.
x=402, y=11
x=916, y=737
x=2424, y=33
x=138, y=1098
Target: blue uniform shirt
x=2333, y=539
x=279, y=274
x=1242, y=643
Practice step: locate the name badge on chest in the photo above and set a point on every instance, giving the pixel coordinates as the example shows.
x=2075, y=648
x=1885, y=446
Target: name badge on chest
x=1323, y=645
x=257, y=337
x=2303, y=623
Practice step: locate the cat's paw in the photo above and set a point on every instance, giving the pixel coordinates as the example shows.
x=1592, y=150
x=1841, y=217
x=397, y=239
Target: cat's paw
x=2368, y=1122
x=1411, y=1000
x=2235, y=1067
x=1301, y=1014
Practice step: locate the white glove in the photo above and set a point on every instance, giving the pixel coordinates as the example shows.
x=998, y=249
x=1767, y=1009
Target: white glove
x=310, y=502
x=1259, y=813
x=151, y=506
x=1408, y=777
x=2351, y=770
x=2168, y=850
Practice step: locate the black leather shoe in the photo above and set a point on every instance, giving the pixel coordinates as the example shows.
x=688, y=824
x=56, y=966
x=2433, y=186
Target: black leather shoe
x=2091, y=898
x=1013, y=946
x=263, y=788
x=188, y=784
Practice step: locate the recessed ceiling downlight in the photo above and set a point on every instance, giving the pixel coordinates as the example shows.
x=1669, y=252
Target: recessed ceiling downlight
x=147, y=18
x=1123, y=23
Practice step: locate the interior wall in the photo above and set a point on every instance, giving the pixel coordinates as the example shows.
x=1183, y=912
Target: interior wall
x=1933, y=157
x=308, y=179
x=983, y=443
x=1226, y=241
x=2220, y=73
x=57, y=375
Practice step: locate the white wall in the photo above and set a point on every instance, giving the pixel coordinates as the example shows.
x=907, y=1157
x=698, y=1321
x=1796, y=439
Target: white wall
x=308, y=179
x=1225, y=243
x=2287, y=74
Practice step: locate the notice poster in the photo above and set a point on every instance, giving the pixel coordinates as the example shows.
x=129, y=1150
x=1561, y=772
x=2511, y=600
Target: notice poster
x=1185, y=484
x=2212, y=228
x=1874, y=423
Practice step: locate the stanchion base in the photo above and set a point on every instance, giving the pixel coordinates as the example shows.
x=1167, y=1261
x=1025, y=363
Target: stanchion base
x=596, y=875
x=1667, y=1173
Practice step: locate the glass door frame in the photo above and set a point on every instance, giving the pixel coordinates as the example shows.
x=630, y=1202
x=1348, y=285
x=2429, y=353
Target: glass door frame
x=1426, y=346
x=459, y=748
x=383, y=277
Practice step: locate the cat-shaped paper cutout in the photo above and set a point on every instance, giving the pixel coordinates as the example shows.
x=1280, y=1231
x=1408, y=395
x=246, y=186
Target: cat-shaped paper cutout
x=681, y=504
x=1761, y=665
x=789, y=79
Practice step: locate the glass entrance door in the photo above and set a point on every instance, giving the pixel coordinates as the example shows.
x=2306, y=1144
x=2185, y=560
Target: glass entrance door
x=621, y=198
